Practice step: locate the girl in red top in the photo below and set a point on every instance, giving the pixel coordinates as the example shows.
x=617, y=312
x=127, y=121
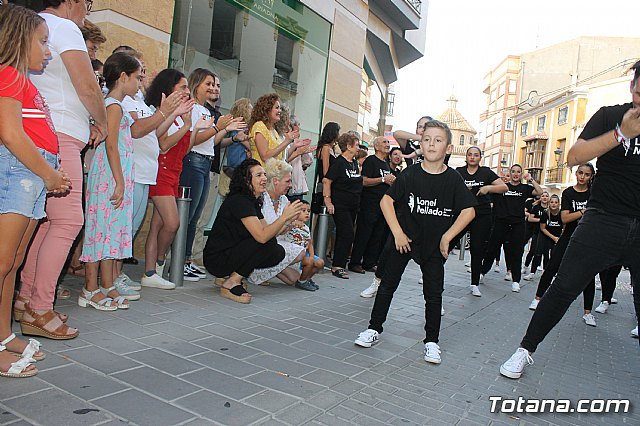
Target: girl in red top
x=28, y=162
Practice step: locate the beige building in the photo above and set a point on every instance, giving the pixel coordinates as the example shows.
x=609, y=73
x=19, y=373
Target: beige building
x=464, y=135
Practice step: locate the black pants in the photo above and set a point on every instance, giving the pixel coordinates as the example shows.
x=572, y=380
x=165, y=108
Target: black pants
x=608, y=280
x=551, y=269
x=600, y=241
x=344, y=219
x=370, y=232
x=480, y=233
x=504, y=230
x=544, y=246
x=242, y=258
x=532, y=247
x=433, y=276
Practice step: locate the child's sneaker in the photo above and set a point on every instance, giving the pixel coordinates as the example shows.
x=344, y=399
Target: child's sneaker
x=602, y=307
x=133, y=285
x=534, y=304
x=475, y=291
x=508, y=277
x=513, y=367
x=496, y=269
x=432, y=353
x=530, y=276
x=367, y=338
x=515, y=287
x=589, y=319
x=372, y=289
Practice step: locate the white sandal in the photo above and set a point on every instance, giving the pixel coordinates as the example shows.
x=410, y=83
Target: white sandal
x=121, y=301
x=106, y=304
x=17, y=369
x=29, y=352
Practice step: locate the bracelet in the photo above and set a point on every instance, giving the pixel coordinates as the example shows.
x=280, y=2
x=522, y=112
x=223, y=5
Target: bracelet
x=622, y=139
x=162, y=114
x=382, y=179
x=216, y=128
x=327, y=196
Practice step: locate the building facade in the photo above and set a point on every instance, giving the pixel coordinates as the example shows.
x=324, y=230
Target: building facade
x=463, y=134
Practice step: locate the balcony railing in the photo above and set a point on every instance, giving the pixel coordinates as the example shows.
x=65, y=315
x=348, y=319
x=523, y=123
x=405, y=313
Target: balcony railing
x=416, y=4
x=555, y=175
x=285, y=83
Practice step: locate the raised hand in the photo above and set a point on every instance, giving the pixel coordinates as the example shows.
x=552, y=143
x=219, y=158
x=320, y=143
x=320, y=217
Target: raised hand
x=168, y=104
x=235, y=124
x=224, y=121
x=630, y=126
x=292, y=210
x=204, y=123
x=184, y=108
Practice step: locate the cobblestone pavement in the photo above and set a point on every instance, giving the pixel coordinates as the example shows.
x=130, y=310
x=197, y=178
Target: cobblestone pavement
x=191, y=357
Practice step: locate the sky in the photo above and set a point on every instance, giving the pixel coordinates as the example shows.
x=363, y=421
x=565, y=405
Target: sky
x=468, y=38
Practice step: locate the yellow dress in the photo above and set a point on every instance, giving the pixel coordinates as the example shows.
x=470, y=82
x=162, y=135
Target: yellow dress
x=272, y=138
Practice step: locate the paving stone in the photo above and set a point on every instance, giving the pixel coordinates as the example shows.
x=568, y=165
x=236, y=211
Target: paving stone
x=324, y=377
x=228, y=348
x=7, y=416
x=277, y=364
x=289, y=385
x=221, y=409
x=278, y=349
x=164, y=361
x=319, y=361
x=152, y=381
x=113, y=342
x=178, y=331
x=271, y=401
x=142, y=409
x=81, y=381
x=226, y=364
x=331, y=420
x=100, y=359
x=223, y=384
x=298, y=414
x=172, y=345
x=21, y=387
x=326, y=399
x=275, y=335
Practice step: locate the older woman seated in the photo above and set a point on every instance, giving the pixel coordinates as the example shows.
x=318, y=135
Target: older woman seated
x=274, y=203
x=240, y=240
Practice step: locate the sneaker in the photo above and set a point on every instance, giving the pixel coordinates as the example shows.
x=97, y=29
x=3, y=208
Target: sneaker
x=524, y=269
x=195, y=270
x=589, y=319
x=133, y=285
x=496, y=269
x=634, y=332
x=420, y=281
x=313, y=283
x=188, y=275
x=602, y=307
x=469, y=270
x=442, y=312
x=534, y=304
x=613, y=301
x=540, y=268
x=529, y=277
x=432, y=353
x=125, y=291
x=481, y=280
x=468, y=264
x=367, y=338
x=513, y=367
x=475, y=291
x=508, y=277
x=160, y=268
x=305, y=285
x=372, y=289
x=156, y=281
x=515, y=287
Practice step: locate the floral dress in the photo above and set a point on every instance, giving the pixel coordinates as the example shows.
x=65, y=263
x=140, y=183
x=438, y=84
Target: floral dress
x=108, y=230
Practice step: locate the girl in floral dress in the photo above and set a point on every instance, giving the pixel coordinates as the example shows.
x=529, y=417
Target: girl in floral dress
x=109, y=207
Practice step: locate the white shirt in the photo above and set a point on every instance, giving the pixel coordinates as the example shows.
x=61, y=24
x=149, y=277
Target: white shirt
x=145, y=149
x=67, y=111
x=206, y=147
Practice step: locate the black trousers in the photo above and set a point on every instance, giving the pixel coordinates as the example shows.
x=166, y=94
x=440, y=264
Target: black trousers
x=480, y=233
x=544, y=246
x=433, y=275
x=344, y=219
x=503, y=230
x=600, y=241
x=608, y=280
x=369, y=237
x=242, y=258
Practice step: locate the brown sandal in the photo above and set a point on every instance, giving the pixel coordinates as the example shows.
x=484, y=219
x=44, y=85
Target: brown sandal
x=19, y=312
x=36, y=327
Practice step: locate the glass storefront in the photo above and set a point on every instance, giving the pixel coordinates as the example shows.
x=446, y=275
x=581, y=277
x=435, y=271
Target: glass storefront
x=257, y=47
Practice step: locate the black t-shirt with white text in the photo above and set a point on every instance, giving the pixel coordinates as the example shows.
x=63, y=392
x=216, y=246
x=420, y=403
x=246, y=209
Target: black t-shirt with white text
x=375, y=168
x=426, y=205
x=346, y=183
x=616, y=186
x=573, y=201
x=510, y=206
x=536, y=210
x=482, y=177
x=553, y=222
x=528, y=205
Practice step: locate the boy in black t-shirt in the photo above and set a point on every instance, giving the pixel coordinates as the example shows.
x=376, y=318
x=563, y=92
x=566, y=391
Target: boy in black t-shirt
x=420, y=208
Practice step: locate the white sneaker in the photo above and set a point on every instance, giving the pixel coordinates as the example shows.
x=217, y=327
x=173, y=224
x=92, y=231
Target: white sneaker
x=367, y=338
x=534, y=304
x=524, y=269
x=133, y=285
x=432, y=353
x=125, y=291
x=634, y=332
x=196, y=271
x=421, y=281
x=589, y=319
x=156, y=281
x=614, y=301
x=372, y=289
x=496, y=269
x=602, y=307
x=513, y=367
x=160, y=269
x=442, y=312
x=529, y=277
x=508, y=277
x=515, y=287
x=468, y=264
x=475, y=291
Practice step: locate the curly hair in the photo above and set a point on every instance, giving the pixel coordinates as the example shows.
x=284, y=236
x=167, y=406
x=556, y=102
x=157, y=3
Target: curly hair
x=241, y=108
x=262, y=108
x=92, y=32
x=164, y=83
x=283, y=125
x=347, y=139
x=241, y=180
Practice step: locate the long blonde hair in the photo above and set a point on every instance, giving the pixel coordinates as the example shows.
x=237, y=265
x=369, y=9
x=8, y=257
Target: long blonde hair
x=17, y=25
x=242, y=108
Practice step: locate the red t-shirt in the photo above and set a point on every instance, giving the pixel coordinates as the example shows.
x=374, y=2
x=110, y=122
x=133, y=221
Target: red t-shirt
x=36, y=119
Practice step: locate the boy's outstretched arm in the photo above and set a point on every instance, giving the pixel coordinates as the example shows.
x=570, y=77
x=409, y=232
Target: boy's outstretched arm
x=389, y=212
x=465, y=217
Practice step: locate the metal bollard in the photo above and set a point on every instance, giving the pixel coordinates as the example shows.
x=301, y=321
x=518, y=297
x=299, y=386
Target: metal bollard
x=179, y=246
x=463, y=245
x=322, y=231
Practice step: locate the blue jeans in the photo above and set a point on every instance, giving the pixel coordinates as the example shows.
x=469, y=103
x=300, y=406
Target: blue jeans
x=195, y=174
x=601, y=240
x=140, y=200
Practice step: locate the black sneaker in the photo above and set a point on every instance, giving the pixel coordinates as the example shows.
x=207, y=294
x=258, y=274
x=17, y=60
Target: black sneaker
x=306, y=285
x=188, y=275
x=195, y=270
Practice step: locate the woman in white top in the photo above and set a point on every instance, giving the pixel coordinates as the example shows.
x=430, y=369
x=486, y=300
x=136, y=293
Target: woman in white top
x=73, y=95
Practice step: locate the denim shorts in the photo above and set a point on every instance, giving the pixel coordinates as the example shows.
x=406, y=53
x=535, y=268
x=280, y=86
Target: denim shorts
x=22, y=191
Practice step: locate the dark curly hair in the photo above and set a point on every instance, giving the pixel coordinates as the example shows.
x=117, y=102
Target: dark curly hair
x=164, y=83
x=261, y=109
x=241, y=179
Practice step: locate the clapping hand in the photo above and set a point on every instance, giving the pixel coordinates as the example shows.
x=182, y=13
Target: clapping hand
x=204, y=123
x=236, y=124
x=224, y=121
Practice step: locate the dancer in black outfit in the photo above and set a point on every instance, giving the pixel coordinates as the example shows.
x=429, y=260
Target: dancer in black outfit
x=608, y=234
x=533, y=215
x=509, y=224
x=481, y=181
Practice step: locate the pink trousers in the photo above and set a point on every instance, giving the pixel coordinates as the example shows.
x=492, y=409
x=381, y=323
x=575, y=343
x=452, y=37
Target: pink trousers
x=53, y=239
